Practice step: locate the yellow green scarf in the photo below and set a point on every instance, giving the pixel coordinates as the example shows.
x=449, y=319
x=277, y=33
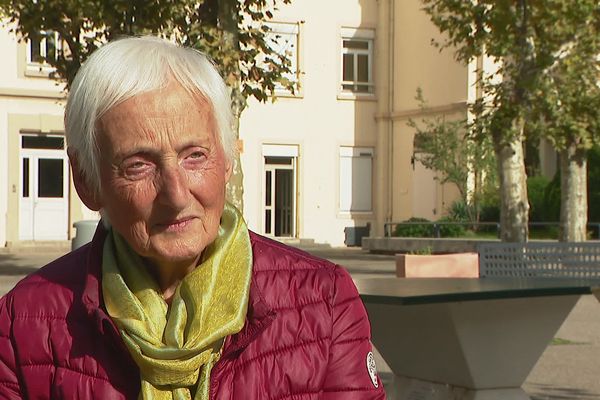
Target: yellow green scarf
x=176, y=346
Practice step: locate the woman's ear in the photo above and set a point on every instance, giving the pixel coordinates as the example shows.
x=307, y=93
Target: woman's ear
x=86, y=193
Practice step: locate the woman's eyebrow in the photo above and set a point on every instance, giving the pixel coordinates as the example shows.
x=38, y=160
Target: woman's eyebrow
x=203, y=142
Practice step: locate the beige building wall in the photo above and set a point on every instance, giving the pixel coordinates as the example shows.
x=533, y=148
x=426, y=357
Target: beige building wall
x=319, y=120
x=33, y=104
x=413, y=63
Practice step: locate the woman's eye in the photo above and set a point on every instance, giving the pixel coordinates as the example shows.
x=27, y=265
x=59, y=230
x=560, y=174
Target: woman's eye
x=194, y=160
x=136, y=168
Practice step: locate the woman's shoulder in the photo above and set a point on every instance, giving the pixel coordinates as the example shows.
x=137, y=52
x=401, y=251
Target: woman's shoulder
x=285, y=273
x=271, y=255
x=52, y=288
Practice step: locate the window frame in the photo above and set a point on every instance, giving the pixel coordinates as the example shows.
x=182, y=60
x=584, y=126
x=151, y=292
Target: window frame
x=291, y=29
x=44, y=69
x=361, y=35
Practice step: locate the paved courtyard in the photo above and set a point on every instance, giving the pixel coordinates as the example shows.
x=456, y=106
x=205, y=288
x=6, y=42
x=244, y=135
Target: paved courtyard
x=568, y=369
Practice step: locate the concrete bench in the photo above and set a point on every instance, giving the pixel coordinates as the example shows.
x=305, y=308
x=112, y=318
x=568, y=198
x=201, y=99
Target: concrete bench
x=540, y=259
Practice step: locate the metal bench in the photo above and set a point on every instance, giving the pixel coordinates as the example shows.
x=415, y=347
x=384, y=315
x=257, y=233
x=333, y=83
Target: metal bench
x=540, y=259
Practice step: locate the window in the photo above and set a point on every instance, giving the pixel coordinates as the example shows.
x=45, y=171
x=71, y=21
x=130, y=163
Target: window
x=357, y=61
x=43, y=47
x=283, y=39
x=356, y=165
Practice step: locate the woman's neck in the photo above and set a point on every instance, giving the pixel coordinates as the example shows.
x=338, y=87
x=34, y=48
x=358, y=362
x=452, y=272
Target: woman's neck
x=168, y=275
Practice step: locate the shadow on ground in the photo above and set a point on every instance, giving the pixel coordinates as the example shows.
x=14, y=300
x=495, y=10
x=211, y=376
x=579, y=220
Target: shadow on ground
x=11, y=265
x=551, y=392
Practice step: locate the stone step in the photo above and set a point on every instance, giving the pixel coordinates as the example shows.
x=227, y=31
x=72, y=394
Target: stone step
x=37, y=246
x=303, y=243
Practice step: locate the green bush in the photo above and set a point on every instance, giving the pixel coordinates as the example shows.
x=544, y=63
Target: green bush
x=490, y=210
x=594, y=184
x=552, y=199
x=461, y=211
x=538, y=209
x=451, y=230
x=414, y=230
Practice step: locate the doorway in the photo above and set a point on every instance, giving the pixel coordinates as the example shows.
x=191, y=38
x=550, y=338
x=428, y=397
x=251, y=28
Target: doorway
x=280, y=190
x=43, y=195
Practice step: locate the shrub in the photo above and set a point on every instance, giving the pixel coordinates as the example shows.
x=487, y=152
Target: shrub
x=414, y=230
x=594, y=184
x=552, y=199
x=461, y=211
x=490, y=210
x=451, y=230
x=538, y=209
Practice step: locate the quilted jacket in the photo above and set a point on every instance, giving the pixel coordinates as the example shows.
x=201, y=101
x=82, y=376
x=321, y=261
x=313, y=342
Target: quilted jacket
x=306, y=335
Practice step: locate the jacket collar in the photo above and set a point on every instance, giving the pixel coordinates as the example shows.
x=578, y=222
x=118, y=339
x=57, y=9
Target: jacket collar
x=258, y=317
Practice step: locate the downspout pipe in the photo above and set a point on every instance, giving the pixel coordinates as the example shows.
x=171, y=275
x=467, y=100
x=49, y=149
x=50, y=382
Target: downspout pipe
x=390, y=110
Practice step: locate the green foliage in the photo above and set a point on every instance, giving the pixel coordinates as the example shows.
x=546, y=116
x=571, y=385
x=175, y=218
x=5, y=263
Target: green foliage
x=490, y=209
x=461, y=211
x=546, y=83
x=414, y=229
x=552, y=199
x=451, y=230
x=594, y=184
x=567, y=107
x=536, y=187
x=552, y=190
x=232, y=32
x=423, y=251
x=451, y=148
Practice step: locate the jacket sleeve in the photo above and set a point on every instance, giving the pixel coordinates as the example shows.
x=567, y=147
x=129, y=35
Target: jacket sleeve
x=351, y=373
x=9, y=384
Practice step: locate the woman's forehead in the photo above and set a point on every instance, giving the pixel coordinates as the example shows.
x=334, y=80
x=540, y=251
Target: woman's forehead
x=170, y=114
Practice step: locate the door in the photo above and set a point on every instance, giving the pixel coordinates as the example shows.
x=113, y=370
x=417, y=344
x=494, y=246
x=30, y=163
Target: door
x=280, y=194
x=43, y=205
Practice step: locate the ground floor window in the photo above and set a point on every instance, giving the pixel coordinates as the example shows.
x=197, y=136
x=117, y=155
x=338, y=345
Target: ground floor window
x=356, y=169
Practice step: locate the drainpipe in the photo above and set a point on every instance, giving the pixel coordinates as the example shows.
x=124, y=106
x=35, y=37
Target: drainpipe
x=390, y=155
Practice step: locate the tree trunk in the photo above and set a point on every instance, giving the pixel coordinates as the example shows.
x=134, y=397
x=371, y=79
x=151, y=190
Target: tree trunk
x=235, y=187
x=573, y=194
x=228, y=20
x=514, y=206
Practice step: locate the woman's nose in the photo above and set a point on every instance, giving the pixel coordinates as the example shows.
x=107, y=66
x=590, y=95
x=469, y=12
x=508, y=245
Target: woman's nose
x=173, y=190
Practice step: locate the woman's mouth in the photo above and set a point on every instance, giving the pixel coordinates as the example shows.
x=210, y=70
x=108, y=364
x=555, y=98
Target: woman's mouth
x=177, y=225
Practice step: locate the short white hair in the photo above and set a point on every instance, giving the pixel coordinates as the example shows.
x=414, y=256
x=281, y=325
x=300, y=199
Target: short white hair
x=132, y=66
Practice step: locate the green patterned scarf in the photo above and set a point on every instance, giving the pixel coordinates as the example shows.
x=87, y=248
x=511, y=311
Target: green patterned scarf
x=176, y=346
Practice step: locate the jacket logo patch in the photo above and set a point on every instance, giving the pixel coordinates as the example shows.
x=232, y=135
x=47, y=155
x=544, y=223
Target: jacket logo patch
x=372, y=368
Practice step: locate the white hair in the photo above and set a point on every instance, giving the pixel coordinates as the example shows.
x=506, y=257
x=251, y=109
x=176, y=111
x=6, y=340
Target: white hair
x=131, y=66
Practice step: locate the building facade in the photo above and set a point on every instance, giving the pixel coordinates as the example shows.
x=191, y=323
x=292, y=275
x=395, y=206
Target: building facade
x=336, y=153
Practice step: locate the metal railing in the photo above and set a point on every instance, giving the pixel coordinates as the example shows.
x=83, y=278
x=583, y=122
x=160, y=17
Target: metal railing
x=436, y=227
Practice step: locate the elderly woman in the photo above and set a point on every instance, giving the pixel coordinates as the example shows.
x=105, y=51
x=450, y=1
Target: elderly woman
x=174, y=298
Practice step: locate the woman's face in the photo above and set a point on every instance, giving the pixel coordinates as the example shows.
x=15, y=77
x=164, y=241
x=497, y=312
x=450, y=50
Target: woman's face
x=163, y=174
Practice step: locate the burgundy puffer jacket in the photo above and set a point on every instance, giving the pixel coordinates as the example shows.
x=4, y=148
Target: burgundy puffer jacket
x=306, y=334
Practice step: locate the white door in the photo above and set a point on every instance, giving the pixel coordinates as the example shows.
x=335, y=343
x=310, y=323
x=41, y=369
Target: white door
x=279, y=190
x=43, y=207
x=280, y=194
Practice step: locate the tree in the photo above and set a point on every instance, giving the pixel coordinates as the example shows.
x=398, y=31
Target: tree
x=524, y=38
x=233, y=33
x=568, y=111
x=448, y=147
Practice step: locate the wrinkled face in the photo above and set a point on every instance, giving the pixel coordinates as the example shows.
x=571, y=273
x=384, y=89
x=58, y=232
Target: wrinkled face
x=163, y=173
